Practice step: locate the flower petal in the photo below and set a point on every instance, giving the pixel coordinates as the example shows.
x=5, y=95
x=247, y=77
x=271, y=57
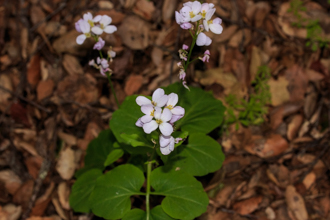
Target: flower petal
x=171, y=145
x=141, y=100
x=97, y=30
x=172, y=99
x=165, y=150
x=147, y=109
x=196, y=7
x=206, y=25
x=158, y=93
x=88, y=16
x=166, y=115
x=105, y=20
x=110, y=29
x=209, y=14
x=164, y=140
x=216, y=28
x=84, y=26
x=201, y=39
x=166, y=128
x=157, y=113
x=196, y=18
x=178, y=110
x=208, y=41
x=162, y=101
x=146, y=118
x=80, y=39
x=139, y=123
x=97, y=18
x=150, y=126
x=217, y=21
x=178, y=17
x=175, y=118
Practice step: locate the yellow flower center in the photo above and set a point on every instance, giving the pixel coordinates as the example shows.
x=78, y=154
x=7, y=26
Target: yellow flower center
x=153, y=103
x=203, y=13
x=191, y=14
x=88, y=35
x=159, y=121
x=152, y=113
x=91, y=23
x=170, y=107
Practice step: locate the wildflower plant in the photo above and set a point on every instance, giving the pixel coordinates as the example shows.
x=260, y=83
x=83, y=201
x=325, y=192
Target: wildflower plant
x=197, y=19
x=90, y=26
x=154, y=149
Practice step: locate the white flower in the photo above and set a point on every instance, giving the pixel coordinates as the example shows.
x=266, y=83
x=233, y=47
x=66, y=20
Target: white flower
x=139, y=123
x=175, y=118
x=161, y=121
x=207, y=9
x=213, y=25
x=149, y=111
x=103, y=65
x=105, y=20
x=85, y=28
x=203, y=40
x=172, y=101
x=99, y=45
x=195, y=8
x=166, y=144
x=183, y=16
x=89, y=18
x=159, y=99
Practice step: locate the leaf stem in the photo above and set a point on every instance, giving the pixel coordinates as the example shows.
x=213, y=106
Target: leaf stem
x=148, y=189
x=110, y=82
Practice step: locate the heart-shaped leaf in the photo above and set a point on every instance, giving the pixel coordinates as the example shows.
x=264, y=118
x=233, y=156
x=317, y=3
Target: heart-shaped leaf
x=184, y=195
x=156, y=213
x=202, y=155
x=203, y=112
x=110, y=198
x=82, y=189
x=97, y=151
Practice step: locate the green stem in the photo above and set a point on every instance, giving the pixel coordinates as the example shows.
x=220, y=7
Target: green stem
x=110, y=82
x=148, y=189
x=191, y=47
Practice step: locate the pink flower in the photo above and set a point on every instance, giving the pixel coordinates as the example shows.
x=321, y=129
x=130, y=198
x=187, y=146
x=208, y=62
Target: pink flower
x=99, y=45
x=206, y=56
x=185, y=47
x=203, y=40
x=186, y=25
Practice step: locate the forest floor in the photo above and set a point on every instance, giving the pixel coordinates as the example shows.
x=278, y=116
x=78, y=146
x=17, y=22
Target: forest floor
x=52, y=103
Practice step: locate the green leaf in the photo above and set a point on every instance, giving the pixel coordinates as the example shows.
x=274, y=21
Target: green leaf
x=156, y=213
x=203, y=112
x=82, y=189
x=201, y=156
x=184, y=195
x=123, y=124
x=113, y=156
x=97, y=151
x=110, y=198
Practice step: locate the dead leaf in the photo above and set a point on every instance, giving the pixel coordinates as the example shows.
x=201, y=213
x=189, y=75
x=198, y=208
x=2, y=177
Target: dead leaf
x=67, y=44
x=134, y=32
x=278, y=90
x=33, y=70
x=58, y=208
x=105, y=5
x=33, y=164
x=310, y=101
x=117, y=17
x=271, y=215
x=295, y=203
x=78, y=88
x=241, y=37
x=298, y=82
x=247, y=206
x=63, y=192
x=5, y=82
x=11, y=180
x=144, y=8
x=45, y=89
x=42, y=202
x=133, y=84
x=226, y=34
x=10, y=212
x=168, y=9
x=309, y=180
x=71, y=65
x=24, y=193
x=272, y=146
x=67, y=138
x=255, y=63
x=66, y=163
x=294, y=125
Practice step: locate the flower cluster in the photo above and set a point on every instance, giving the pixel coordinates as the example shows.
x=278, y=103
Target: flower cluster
x=90, y=26
x=158, y=117
x=195, y=12
x=94, y=27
